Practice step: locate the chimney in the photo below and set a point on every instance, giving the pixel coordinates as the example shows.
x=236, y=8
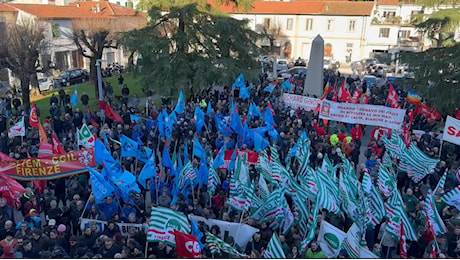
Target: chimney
x=98, y=8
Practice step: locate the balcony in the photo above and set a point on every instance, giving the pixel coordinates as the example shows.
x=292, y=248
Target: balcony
x=396, y=20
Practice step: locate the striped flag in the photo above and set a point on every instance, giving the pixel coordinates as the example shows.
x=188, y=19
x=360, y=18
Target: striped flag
x=452, y=198
x=288, y=218
x=367, y=182
x=386, y=181
x=274, y=248
x=217, y=245
x=213, y=181
x=272, y=208
x=377, y=207
x=311, y=226
x=351, y=243
x=441, y=183
x=163, y=222
x=397, y=215
x=431, y=212
x=264, y=192
x=187, y=174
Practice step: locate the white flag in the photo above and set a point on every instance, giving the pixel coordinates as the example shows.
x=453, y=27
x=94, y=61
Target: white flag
x=452, y=130
x=18, y=129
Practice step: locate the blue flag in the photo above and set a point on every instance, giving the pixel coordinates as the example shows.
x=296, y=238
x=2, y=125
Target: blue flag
x=129, y=147
x=165, y=126
x=244, y=92
x=180, y=106
x=144, y=153
x=196, y=232
x=199, y=119
x=223, y=128
x=106, y=141
x=135, y=118
x=74, y=98
x=286, y=85
x=260, y=142
x=231, y=166
x=209, y=109
x=219, y=160
x=270, y=88
x=136, y=133
x=103, y=156
x=101, y=187
x=236, y=124
x=198, y=149
x=148, y=171
x=166, y=159
x=204, y=173
x=239, y=82
x=126, y=183
x=173, y=117
x=268, y=117
x=293, y=150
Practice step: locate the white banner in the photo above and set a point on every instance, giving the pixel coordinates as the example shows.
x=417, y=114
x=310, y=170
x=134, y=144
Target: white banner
x=452, y=131
x=124, y=227
x=298, y=101
x=362, y=114
x=242, y=233
x=330, y=239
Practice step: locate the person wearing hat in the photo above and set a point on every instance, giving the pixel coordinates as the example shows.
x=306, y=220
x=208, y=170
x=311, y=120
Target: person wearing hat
x=73, y=246
x=8, y=244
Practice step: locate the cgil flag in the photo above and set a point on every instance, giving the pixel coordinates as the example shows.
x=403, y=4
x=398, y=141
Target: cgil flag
x=33, y=118
x=186, y=245
x=163, y=222
x=18, y=129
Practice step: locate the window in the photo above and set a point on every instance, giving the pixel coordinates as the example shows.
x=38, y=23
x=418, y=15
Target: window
x=404, y=34
x=289, y=24
x=388, y=14
x=126, y=4
x=118, y=3
x=131, y=4
x=384, y=32
x=267, y=23
x=351, y=25
x=309, y=24
x=330, y=25
x=55, y=30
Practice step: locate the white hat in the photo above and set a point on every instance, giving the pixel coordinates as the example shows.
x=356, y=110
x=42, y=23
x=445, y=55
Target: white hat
x=52, y=222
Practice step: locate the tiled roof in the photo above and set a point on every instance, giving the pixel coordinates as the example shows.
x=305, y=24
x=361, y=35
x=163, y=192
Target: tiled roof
x=76, y=10
x=388, y=2
x=6, y=8
x=319, y=7
x=347, y=8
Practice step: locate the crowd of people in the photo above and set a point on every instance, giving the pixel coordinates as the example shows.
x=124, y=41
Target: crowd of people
x=50, y=222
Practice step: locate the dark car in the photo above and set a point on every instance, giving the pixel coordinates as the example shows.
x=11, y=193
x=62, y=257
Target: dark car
x=73, y=76
x=294, y=71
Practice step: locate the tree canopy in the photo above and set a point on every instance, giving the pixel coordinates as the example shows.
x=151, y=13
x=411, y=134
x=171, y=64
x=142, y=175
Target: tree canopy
x=437, y=76
x=192, y=45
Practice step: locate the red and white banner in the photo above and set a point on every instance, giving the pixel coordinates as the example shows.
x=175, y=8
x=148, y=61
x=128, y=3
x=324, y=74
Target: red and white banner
x=298, y=101
x=252, y=157
x=452, y=131
x=362, y=114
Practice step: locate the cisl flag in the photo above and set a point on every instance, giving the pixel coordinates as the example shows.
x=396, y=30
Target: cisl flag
x=18, y=129
x=187, y=245
x=452, y=130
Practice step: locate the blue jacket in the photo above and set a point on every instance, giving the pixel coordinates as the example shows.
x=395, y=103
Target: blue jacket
x=109, y=209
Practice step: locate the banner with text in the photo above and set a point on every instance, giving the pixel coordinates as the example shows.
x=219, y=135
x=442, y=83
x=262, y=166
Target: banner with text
x=252, y=157
x=452, y=131
x=362, y=114
x=54, y=167
x=124, y=227
x=298, y=101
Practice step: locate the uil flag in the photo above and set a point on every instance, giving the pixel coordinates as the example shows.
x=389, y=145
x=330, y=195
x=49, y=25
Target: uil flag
x=187, y=246
x=403, y=245
x=33, y=118
x=18, y=129
x=180, y=106
x=74, y=98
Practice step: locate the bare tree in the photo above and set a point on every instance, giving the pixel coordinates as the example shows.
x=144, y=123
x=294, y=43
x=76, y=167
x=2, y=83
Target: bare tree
x=20, y=51
x=272, y=32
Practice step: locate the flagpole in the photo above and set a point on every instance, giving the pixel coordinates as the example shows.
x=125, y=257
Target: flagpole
x=86, y=205
x=440, y=149
x=157, y=186
x=146, y=247
x=239, y=226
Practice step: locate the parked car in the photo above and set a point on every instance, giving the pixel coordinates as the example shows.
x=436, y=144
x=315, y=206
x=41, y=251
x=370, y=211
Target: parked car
x=46, y=83
x=282, y=64
x=294, y=71
x=73, y=76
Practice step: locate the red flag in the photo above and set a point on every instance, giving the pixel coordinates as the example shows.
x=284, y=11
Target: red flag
x=335, y=97
x=433, y=251
x=187, y=245
x=93, y=123
x=9, y=188
x=393, y=98
x=457, y=113
x=411, y=116
x=111, y=114
x=327, y=90
x=355, y=97
x=429, y=232
x=42, y=134
x=271, y=108
x=344, y=93
x=433, y=116
x=406, y=136
x=403, y=245
x=33, y=118
x=39, y=186
x=422, y=109
x=6, y=158
x=45, y=150
x=56, y=145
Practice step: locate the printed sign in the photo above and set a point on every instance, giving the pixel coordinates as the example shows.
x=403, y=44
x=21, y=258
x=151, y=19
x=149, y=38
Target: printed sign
x=124, y=227
x=452, y=131
x=298, y=101
x=362, y=114
x=54, y=167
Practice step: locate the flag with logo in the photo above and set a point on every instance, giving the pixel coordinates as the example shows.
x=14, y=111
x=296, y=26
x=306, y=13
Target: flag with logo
x=431, y=212
x=101, y=187
x=57, y=146
x=85, y=137
x=129, y=147
x=274, y=248
x=217, y=245
x=17, y=129
x=186, y=245
x=402, y=242
x=74, y=98
x=393, y=98
x=163, y=222
x=351, y=243
x=180, y=106
x=148, y=172
x=452, y=198
x=33, y=117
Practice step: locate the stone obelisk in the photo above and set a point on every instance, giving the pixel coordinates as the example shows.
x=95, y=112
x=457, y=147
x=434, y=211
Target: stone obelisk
x=314, y=82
